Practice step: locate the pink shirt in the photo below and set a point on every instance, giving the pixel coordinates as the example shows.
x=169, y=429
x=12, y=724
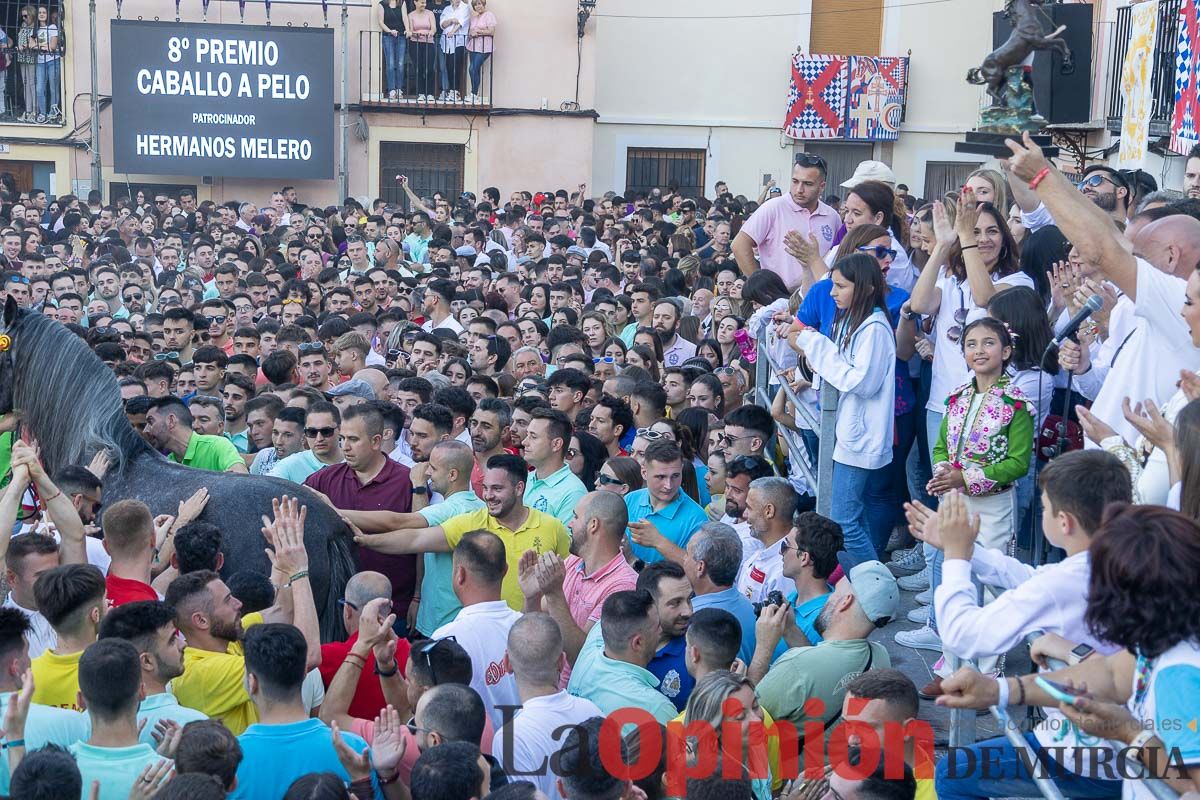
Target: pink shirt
x=780, y=215
x=366, y=729
x=481, y=44
x=586, y=593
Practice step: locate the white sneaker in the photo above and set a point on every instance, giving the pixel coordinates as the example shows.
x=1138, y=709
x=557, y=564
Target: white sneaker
x=915, y=582
x=905, y=561
x=421, y=98
x=442, y=97
x=923, y=638
x=919, y=615
x=925, y=598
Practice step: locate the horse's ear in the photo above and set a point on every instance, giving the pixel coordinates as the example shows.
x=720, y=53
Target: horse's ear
x=10, y=311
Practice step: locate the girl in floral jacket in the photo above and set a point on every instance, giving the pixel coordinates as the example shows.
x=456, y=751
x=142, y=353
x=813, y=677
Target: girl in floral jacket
x=986, y=439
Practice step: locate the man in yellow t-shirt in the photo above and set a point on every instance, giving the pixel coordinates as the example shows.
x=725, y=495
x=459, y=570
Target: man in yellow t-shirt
x=520, y=528
x=71, y=598
x=207, y=614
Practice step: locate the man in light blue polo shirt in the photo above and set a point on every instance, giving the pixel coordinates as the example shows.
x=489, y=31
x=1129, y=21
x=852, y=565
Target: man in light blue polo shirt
x=662, y=518
x=321, y=428
x=450, y=465
x=45, y=724
x=552, y=488
x=714, y=556
x=611, y=668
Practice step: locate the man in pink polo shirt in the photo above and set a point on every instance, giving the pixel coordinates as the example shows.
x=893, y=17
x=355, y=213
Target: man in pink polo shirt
x=573, y=591
x=800, y=209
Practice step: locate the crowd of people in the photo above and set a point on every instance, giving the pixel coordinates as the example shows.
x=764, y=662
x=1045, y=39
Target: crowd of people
x=575, y=438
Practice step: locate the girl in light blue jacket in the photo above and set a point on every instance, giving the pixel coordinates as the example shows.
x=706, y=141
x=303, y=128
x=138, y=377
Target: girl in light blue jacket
x=860, y=362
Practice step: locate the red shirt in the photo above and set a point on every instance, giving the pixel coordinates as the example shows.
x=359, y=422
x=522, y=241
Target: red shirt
x=368, y=699
x=390, y=490
x=120, y=591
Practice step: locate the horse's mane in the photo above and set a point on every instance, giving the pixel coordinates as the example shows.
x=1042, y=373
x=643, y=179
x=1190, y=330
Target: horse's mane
x=67, y=397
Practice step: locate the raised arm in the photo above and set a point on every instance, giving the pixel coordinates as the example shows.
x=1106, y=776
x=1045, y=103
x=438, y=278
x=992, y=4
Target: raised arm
x=926, y=297
x=978, y=276
x=743, y=251
x=290, y=557
x=400, y=543
x=375, y=622
x=10, y=505
x=59, y=508
x=1085, y=225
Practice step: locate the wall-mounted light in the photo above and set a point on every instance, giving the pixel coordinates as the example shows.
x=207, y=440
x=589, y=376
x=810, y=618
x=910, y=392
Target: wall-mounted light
x=586, y=7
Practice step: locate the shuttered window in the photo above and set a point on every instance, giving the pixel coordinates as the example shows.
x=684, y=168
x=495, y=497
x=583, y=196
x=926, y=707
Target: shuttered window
x=846, y=27
x=429, y=167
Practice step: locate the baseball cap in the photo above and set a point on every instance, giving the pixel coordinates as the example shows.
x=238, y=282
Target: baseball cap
x=359, y=388
x=466, y=251
x=876, y=591
x=871, y=171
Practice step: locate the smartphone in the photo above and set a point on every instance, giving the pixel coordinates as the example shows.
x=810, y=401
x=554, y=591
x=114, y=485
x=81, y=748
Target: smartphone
x=766, y=178
x=1060, y=692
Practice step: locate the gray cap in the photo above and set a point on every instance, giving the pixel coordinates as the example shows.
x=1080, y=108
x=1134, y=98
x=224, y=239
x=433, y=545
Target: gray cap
x=876, y=591
x=576, y=250
x=466, y=251
x=355, y=386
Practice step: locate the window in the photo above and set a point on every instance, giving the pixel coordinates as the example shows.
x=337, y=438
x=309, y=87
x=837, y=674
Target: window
x=947, y=176
x=846, y=27
x=430, y=168
x=22, y=102
x=658, y=168
x=841, y=160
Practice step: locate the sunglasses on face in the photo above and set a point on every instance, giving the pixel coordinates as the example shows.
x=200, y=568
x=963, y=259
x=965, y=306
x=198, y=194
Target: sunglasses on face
x=217, y=320
x=314, y=433
x=171, y=356
x=134, y=296
x=1094, y=180
x=605, y=360
x=609, y=481
x=879, y=251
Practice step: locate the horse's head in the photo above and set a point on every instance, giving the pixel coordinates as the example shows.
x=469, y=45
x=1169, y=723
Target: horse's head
x=7, y=373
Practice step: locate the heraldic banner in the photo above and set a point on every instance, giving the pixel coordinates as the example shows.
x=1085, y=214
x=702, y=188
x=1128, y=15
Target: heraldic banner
x=1186, y=117
x=1136, y=92
x=875, y=100
x=817, y=97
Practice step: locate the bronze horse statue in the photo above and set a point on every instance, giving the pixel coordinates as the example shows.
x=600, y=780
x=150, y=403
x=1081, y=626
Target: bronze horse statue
x=66, y=397
x=1027, y=37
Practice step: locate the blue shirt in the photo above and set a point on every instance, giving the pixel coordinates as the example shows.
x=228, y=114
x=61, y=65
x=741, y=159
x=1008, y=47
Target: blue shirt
x=297, y=467
x=116, y=768
x=163, y=706
x=669, y=666
x=677, y=521
x=273, y=756
x=556, y=495
x=735, y=603
x=45, y=725
x=612, y=684
x=806, y=615
x=439, y=605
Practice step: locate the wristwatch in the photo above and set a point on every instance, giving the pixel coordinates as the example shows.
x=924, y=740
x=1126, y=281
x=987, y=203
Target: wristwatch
x=420, y=490
x=1079, y=653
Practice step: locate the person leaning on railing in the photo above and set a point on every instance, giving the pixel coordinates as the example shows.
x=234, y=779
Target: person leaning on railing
x=479, y=46
x=393, y=22
x=421, y=25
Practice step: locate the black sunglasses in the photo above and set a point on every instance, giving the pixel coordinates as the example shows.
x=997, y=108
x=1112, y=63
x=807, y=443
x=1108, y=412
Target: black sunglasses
x=217, y=320
x=607, y=481
x=313, y=433
x=810, y=160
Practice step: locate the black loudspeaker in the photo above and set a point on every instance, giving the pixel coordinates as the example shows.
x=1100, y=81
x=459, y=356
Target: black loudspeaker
x=1061, y=99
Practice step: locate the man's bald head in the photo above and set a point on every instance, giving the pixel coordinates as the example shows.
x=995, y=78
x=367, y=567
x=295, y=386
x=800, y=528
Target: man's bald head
x=376, y=379
x=535, y=648
x=1172, y=244
x=610, y=509
x=367, y=586
x=453, y=454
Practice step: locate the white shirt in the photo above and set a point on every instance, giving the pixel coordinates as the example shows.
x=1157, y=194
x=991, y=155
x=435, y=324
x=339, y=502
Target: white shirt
x=1149, y=363
x=97, y=556
x=678, y=352
x=762, y=573
x=532, y=733
x=482, y=630
x=449, y=323
x=1121, y=324
x=41, y=636
x=750, y=545
x=1051, y=599
x=452, y=40
x=949, y=367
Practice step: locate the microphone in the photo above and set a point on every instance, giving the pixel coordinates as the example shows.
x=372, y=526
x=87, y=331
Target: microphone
x=1093, y=304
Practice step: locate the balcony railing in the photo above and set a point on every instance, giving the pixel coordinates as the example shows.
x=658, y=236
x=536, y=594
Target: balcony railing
x=31, y=87
x=454, y=72
x=1162, y=81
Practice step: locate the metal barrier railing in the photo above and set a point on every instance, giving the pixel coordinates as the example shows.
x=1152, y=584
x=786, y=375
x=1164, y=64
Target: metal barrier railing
x=400, y=73
x=821, y=479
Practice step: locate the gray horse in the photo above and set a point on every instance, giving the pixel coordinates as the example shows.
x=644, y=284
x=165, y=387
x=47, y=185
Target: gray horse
x=1028, y=36
x=66, y=397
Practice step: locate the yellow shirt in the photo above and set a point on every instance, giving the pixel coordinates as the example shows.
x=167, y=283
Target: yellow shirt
x=215, y=683
x=540, y=533
x=56, y=680
x=772, y=751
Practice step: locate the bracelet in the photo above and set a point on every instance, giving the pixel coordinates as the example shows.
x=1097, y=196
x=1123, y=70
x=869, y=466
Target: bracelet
x=967, y=246
x=1041, y=176
x=1021, y=696
x=362, y=662
x=387, y=781
x=1002, y=686
x=14, y=743
x=301, y=574
x=1141, y=740
x=416, y=599
x=395, y=668
x=52, y=497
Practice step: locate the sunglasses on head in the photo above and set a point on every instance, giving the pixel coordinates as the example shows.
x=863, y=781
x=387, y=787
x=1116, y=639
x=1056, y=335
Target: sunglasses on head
x=312, y=347
x=880, y=251
x=313, y=433
x=426, y=651
x=810, y=160
x=651, y=435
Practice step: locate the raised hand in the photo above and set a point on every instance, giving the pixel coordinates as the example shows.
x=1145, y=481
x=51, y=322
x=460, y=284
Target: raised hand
x=193, y=507
x=357, y=765
x=376, y=621
x=957, y=527
x=387, y=750
x=286, y=530
x=1027, y=160
x=1150, y=423
x=1094, y=428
